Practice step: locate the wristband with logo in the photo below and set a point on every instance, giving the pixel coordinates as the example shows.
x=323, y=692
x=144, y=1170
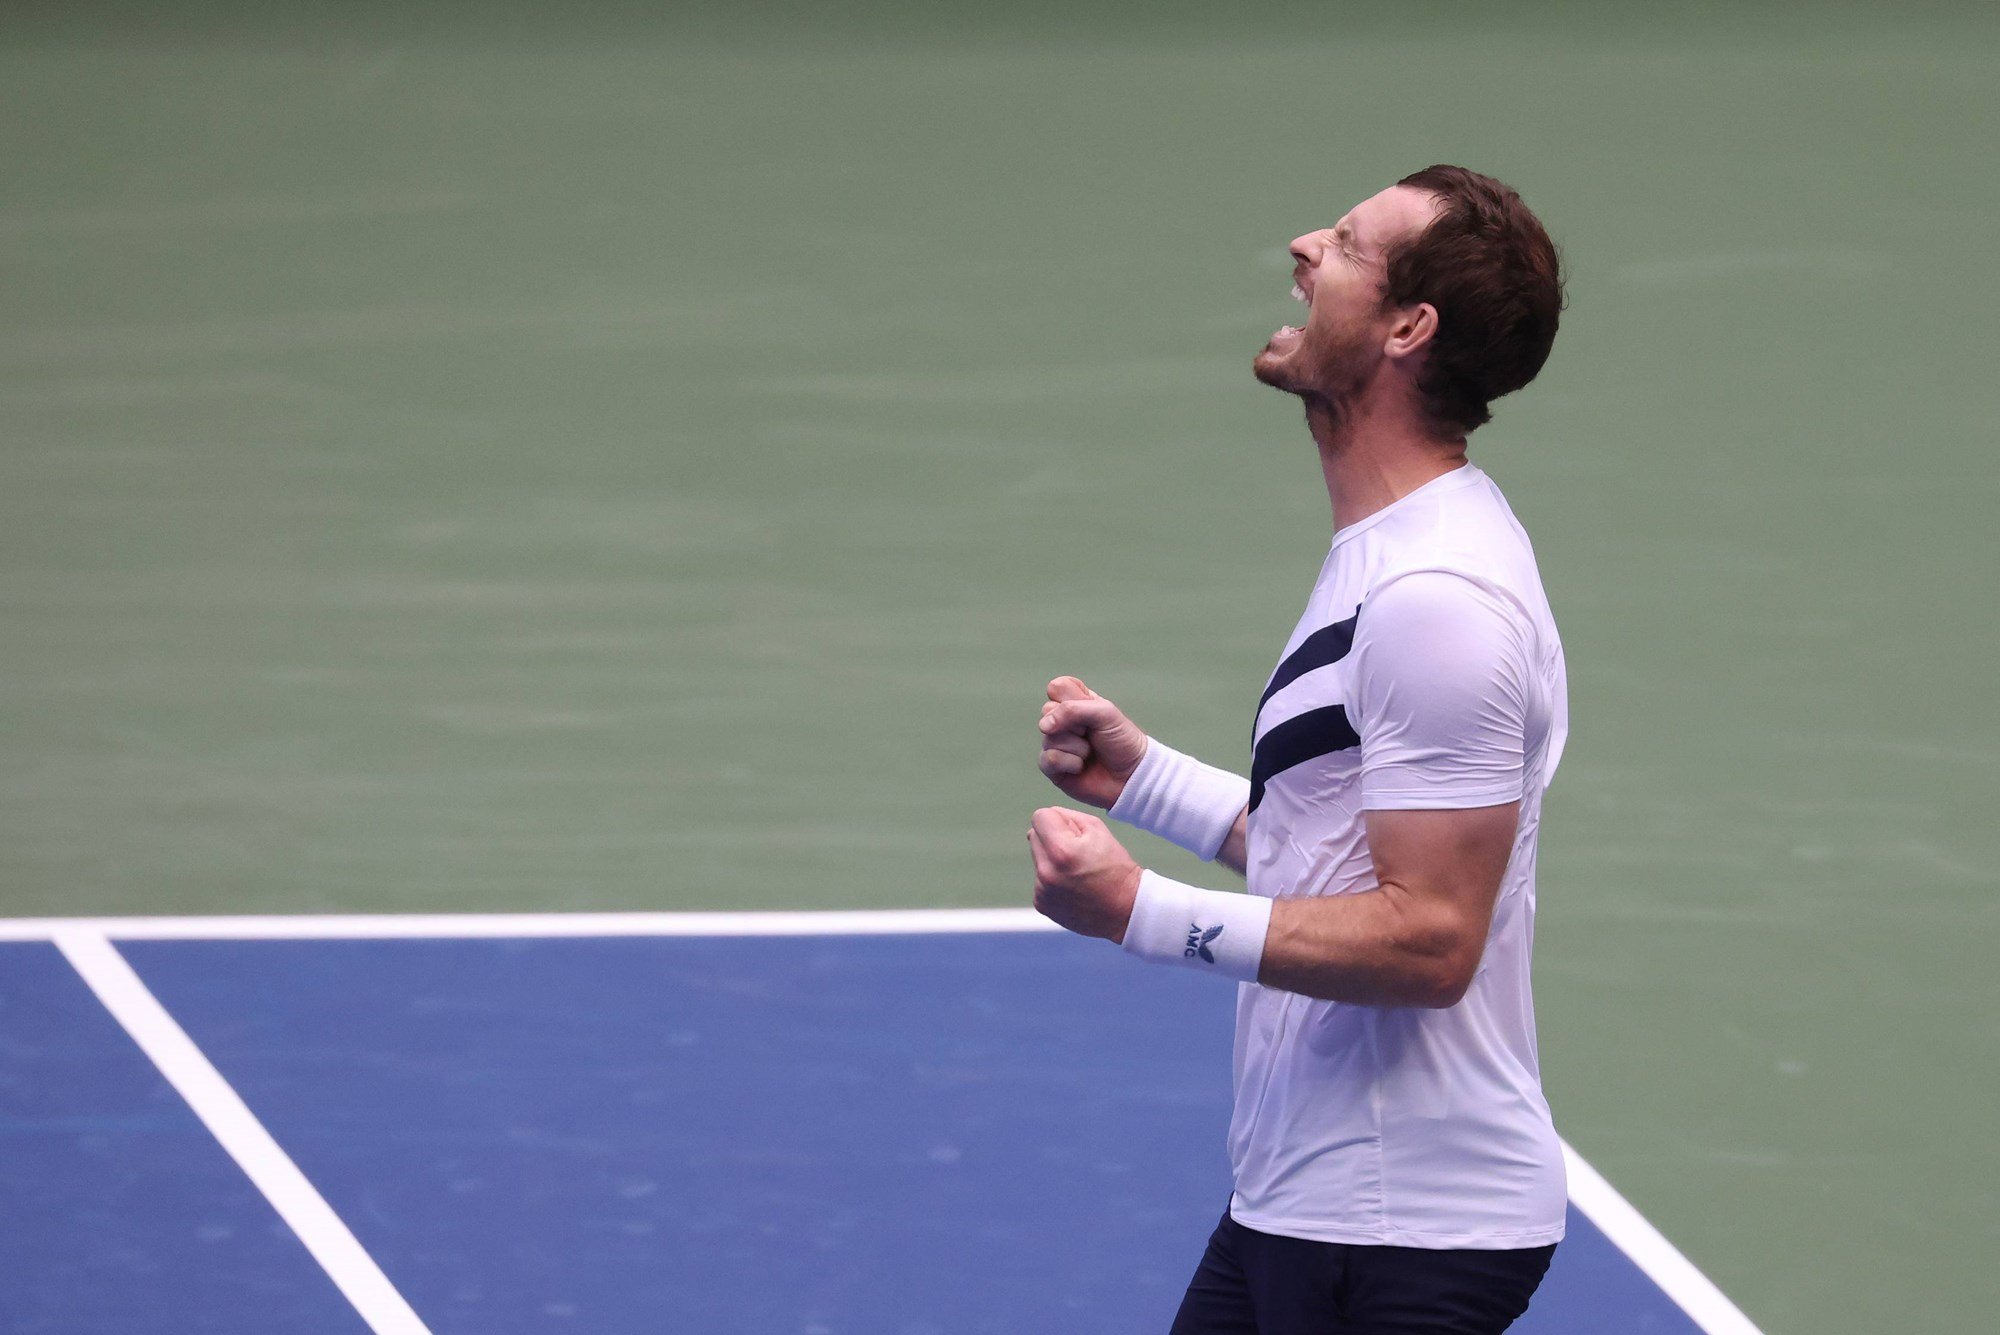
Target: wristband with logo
x=1215, y=931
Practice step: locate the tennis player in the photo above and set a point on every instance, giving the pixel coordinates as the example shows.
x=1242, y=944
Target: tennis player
x=1395, y=1166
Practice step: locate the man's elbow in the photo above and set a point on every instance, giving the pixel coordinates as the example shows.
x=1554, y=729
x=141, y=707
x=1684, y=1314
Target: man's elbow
x=1448, y=977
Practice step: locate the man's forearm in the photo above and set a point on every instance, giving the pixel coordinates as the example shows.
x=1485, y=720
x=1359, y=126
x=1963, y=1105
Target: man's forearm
x=1235, y=851
x=1375, y=948
x=1380, y=947
x=1416, y=938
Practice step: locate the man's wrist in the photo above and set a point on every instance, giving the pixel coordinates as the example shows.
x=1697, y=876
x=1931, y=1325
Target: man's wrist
x=1214, y=931
x=1130, y=893
x=1182, y=800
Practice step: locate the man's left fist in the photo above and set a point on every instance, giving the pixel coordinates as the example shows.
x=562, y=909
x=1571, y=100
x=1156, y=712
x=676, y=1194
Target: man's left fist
x=1084, y=878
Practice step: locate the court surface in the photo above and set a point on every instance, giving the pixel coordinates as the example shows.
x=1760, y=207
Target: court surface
x=812, y=1124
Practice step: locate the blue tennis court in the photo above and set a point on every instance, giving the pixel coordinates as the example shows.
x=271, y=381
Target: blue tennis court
x=805, y=1123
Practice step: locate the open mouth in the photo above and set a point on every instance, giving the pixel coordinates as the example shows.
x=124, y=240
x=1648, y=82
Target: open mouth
x=1293, y=331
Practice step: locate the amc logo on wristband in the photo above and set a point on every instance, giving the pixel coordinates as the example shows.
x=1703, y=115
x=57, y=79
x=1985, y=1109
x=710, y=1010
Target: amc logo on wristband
x=1219, y=932
x=1197, y=941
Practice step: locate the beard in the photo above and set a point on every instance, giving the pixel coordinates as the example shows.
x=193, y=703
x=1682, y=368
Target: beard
x=1323, y=366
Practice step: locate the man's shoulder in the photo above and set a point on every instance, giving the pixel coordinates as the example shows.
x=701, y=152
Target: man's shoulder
x=1435, y=622
x=1467, y=536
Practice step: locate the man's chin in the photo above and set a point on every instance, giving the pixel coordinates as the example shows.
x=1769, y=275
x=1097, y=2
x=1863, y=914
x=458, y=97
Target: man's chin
x=1273, y=368
x=1277, y=365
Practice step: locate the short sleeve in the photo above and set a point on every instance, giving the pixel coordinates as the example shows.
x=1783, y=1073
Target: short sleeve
x=1441, y=688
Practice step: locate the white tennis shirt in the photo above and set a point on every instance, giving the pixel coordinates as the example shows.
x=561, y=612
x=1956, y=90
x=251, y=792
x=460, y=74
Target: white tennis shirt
x=1426, y=673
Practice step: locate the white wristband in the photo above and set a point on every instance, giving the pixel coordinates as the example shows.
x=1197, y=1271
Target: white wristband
x=1215, y=931
x=1182, y=800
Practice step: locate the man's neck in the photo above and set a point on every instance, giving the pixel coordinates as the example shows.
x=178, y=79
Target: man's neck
x=1373, y=458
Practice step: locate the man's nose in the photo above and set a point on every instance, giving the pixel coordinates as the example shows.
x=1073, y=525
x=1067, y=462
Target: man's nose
x=1305, y=249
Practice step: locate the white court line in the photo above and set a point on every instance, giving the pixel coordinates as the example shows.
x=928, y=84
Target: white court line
x=1649, y=1249
x=232, y=1123
x=1628, y=1230
x=369, y=926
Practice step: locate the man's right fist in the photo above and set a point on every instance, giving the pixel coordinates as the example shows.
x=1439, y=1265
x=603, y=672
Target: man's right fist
x=1089, y=747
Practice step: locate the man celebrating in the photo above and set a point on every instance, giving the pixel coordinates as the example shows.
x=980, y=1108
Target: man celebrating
x=1395, y=1166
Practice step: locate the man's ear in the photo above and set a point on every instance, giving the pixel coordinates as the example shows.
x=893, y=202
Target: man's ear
x=1412, y=332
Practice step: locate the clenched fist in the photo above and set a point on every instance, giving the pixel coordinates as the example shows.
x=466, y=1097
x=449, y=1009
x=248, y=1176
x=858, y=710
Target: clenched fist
x=1089, y=747
x=1084, y=878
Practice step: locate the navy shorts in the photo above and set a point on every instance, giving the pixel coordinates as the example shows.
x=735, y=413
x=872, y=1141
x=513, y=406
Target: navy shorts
x=1251, y=1283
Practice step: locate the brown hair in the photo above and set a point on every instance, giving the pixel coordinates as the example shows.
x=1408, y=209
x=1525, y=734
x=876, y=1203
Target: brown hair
x=1489, y=268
